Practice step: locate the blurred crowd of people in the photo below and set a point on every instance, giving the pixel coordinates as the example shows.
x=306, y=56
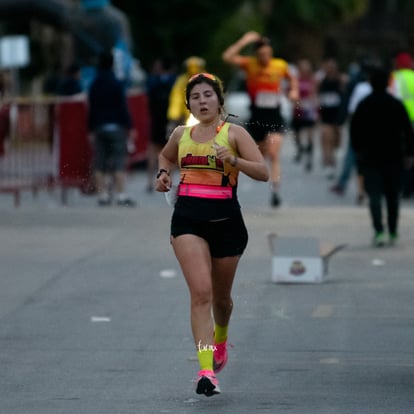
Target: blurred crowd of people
x=369, y=111
x=323, y=101
x=322, y=98
x=207, y=232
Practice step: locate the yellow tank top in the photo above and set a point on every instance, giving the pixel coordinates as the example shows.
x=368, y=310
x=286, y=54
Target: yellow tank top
x=198, y=162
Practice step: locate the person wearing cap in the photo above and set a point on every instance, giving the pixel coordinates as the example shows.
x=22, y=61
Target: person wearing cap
x=264, y=77
x=402, y=81
x=177, y=112
x=402, y=87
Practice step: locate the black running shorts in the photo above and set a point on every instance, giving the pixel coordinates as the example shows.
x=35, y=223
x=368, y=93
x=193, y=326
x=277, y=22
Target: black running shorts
x=226, y=238
x=264, y=121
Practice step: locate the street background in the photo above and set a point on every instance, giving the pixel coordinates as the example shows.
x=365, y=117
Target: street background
x=94, y=312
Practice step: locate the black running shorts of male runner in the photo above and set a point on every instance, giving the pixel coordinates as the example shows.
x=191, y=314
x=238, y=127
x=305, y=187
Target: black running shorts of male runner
x=264, y=121
x=226, y=238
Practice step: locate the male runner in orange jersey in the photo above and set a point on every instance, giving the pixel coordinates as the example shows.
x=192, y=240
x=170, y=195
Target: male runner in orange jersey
x=264, y=76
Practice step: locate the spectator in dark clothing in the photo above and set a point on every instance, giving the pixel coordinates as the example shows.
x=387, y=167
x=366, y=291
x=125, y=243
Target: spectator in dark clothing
x=357, y=89
x=331, y=97
x=71, y=84
x=383, y=141
x=159, y=85
x=110, y=125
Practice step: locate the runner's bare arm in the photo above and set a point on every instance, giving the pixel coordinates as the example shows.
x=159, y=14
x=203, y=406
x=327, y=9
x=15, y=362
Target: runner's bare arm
x=250, y=160
x=232, y=54
x=167, y=160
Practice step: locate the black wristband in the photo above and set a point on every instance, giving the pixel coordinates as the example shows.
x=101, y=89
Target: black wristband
x=162, y=170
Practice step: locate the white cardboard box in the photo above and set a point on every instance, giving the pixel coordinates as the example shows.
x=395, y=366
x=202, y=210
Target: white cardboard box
x=299, y=259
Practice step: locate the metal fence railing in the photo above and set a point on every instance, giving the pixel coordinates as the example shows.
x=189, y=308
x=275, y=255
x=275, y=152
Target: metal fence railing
x=26, y=142
x=44, y=143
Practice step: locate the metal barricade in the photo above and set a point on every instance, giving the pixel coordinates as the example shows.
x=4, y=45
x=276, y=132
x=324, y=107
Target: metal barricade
x=26, y=141
x=44, y=143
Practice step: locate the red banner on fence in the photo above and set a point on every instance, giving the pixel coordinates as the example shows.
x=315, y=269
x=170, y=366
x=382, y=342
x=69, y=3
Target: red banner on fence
x=138, y=107
x=74, y=149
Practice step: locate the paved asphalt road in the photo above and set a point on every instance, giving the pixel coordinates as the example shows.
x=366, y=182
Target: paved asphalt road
x=94, y=313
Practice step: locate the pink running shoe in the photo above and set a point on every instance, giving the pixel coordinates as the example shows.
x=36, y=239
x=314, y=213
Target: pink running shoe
x=207, y=383
x=220, y=356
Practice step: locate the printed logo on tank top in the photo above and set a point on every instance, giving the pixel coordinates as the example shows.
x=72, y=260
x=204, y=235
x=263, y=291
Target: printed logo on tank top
x=199, y=163
x=202, y=162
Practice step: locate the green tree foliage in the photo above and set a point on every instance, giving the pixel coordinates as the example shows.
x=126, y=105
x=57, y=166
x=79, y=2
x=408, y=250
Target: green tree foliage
x=244, y=19
x=302, y=27
x=176, y=28
x=318, y=13
x=180, y=28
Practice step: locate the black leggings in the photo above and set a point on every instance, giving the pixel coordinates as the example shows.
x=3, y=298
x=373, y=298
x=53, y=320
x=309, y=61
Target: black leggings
x=383, y=182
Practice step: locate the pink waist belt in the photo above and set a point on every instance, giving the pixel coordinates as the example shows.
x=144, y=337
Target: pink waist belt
x=205, y=191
